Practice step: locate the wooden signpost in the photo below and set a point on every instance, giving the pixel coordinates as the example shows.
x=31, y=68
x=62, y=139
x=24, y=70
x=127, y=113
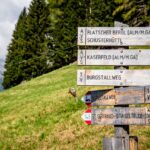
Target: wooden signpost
x=113, y=57
x=121, y=116
x=118, y=116
x=113, y=36
x=118, y=96
x=114, y=77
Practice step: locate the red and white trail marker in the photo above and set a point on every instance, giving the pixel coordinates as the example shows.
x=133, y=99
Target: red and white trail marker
x=87, y=117
x=117, y=116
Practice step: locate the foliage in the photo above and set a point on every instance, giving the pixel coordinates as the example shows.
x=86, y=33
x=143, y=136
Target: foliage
x=133, y=12
x=28, y=52
x=13, y=73
x=37, y=31
x=46, y=38
x=101, y=13
x=74, y=14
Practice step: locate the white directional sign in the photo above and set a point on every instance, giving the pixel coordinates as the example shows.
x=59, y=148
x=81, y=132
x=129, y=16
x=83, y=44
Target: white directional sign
x=118, y=116
x=114, y=77
x=114, y=36
x=113, y=57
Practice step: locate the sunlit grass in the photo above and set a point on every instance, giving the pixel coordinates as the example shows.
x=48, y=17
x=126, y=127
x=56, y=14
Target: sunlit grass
x=42, y=115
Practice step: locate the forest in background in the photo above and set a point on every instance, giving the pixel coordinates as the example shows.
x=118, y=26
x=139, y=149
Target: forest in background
x=45, y=35
x=1, y=72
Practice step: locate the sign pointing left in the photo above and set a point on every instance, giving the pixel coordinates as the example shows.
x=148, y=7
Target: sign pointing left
x=118, y=116
x=118, y=96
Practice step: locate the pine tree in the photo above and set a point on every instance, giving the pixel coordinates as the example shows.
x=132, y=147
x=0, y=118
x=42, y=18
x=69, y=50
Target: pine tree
x=77, y=13
x=30, y=51
x=55, y=11
x=133, y=12
x=101, y=13
x=65, y=34
x=37, y=49
x=12, y=75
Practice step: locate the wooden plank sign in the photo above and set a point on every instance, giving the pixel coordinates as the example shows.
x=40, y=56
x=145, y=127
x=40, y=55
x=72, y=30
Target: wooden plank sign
x=118, y=116
x=114, y=36
x=113, y=57
x=114, y=77
x=118, y=96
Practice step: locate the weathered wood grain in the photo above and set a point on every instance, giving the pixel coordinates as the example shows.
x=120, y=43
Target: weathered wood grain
x=122, y=131
x=113, y=57
x=115, y=143
x=114, y=77
x=114, y=36
x=121, y=116
x=118, y=96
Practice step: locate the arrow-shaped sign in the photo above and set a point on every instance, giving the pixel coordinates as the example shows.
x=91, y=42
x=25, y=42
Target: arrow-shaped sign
x=118, y=96
x=87, y=116
x=118, y=116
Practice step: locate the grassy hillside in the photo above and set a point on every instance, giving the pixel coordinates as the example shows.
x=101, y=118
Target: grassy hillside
x=41, y=115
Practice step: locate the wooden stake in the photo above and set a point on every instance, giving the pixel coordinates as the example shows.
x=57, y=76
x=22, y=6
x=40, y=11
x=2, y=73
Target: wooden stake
x=119, y=143
x=122, y=131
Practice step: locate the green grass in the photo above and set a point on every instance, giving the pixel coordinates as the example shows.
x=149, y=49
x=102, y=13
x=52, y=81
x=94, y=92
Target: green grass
x=42, y=115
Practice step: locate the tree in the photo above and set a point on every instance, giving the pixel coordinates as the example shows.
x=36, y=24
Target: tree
x=101, y=13
x=37, y=30
x=77, y=13
x=55, y=11
x=133, y=12
x=29, y=53
x=12, y=75
x=65, y=32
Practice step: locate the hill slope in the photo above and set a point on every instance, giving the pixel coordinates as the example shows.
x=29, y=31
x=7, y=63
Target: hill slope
x=41, y=115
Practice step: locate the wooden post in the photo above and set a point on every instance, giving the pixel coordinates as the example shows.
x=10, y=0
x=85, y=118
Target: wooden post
x=121, y=141
x=116, y=143
x=121, y=131
x=134, y=143
x=113, y=143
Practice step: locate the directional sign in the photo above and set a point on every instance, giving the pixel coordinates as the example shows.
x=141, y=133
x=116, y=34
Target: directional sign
x=113, y=57
x=114, y=36
x=118, y=96
x=118, y=116
x=114, y=77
